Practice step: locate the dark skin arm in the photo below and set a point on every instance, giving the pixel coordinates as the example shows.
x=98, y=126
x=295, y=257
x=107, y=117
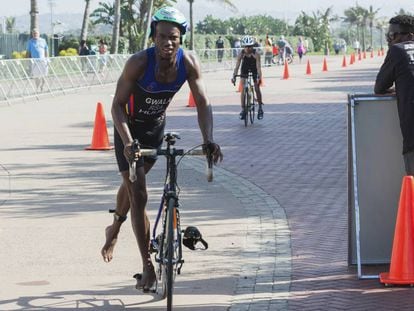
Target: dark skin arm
x=133, y=71
x=386, y=76
x=204, y=111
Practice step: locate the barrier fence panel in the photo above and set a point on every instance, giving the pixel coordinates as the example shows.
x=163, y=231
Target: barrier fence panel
x=375, y=171
x=23, y=78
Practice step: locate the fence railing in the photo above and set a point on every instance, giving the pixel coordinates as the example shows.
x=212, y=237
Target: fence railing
x=25, y=78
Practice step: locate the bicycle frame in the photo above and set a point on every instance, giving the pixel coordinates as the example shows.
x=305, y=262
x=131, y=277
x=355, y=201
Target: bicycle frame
x=248, y=97
x=167, y=245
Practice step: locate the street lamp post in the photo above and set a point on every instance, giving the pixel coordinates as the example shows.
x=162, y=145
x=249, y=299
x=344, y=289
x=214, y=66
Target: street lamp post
x=52, y=47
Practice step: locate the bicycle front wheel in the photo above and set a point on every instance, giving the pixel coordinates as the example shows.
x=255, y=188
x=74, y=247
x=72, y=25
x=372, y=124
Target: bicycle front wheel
x=168, y=279
x=251, y=107
x=246, y=102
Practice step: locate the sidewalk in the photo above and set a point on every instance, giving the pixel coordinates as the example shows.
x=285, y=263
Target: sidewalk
x=275, y=216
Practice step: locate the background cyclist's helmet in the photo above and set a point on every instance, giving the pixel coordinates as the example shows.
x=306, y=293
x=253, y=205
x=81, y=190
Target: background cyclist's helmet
x=247, y=41
x=172, y=15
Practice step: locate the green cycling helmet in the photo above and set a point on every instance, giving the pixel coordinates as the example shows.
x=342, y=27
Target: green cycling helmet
x=169, y=14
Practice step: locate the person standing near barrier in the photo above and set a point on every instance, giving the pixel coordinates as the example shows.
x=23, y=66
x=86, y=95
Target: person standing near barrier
x=300, y=49
x=268, y=51
x=398, y=69
x=149, y=81
x=220, y=49
x=103, y=48
x=249, y=58
x=84, y=51
x=37, y=50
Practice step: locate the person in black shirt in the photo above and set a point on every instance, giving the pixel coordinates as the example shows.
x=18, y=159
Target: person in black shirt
x=220, y=49
x=398, y=69
x=84, y=51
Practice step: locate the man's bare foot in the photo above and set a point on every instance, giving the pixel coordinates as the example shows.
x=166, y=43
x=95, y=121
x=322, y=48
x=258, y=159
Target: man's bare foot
x=147, y=279
x=108, y=248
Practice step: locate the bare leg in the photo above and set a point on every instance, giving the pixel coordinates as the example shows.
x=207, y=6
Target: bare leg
x=122, y=208
x=140, y=223
x=111, y=232
x=258, y=92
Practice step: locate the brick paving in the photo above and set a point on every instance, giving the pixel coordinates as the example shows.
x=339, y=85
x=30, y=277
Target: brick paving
x=297, y=154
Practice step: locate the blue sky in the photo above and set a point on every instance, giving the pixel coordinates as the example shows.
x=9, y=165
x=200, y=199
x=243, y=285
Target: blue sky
x=281, y=9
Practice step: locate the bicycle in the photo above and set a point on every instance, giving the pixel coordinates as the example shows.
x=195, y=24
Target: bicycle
x=167, y=245
x=249, y=100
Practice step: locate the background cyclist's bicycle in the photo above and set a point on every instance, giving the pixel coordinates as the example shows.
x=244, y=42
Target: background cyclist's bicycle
x=248, y=97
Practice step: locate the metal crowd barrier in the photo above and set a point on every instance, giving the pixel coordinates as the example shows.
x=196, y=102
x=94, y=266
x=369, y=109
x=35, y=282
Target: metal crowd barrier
x=26, y=78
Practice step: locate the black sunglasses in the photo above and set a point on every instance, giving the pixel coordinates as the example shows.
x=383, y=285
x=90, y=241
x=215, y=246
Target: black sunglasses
x=392, y=35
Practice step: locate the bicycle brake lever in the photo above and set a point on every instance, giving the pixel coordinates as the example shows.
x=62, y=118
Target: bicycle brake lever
x=133, y=164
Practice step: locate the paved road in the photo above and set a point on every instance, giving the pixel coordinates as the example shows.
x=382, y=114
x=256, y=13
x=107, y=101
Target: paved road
x=275, y=217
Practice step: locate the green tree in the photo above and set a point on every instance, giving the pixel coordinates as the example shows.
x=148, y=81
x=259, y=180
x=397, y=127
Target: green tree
x=226, y=2
x=134, y=16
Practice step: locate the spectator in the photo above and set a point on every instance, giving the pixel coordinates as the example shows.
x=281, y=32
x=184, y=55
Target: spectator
x=268, y=51
x=398, y=71
x=300, y=49
x=84, y=51
x=37, y=49
x=220, y=49
x=103, y=48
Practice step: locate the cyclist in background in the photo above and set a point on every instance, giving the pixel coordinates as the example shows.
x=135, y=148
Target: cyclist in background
x=149, y=81
x=249, y=59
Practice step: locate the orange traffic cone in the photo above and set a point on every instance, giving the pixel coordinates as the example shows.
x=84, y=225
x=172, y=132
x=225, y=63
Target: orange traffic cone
x=191, y=102
x=344, y=61
x=372, y=53
x=308, y=68
x=325, y=65
x=402, y=257
x=364, y=55
x=286, y=72
x=379, y=53
x=100, y=140
x=359, y=56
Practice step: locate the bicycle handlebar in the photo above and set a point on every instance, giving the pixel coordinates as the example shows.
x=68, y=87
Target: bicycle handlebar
x=178, y=152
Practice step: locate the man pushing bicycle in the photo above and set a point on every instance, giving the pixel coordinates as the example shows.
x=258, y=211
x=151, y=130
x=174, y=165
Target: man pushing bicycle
x=144, y=90
x=250, y=62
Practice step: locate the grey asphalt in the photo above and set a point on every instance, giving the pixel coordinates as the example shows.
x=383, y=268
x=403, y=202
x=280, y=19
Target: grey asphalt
x=275, y=216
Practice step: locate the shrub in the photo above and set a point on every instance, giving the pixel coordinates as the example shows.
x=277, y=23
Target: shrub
x=17, y=54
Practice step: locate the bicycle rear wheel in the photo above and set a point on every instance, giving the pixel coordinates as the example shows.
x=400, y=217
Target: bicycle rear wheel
x=246, y=106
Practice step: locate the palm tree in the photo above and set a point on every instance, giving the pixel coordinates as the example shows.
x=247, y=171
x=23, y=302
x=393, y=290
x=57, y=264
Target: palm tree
x=115, y=29
x=85, y=22
x=325, y=18
x=148, y=23
x=381, y=24
x=10, y=24
x=34, y=11
x=226, y=2
x=371, y=18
